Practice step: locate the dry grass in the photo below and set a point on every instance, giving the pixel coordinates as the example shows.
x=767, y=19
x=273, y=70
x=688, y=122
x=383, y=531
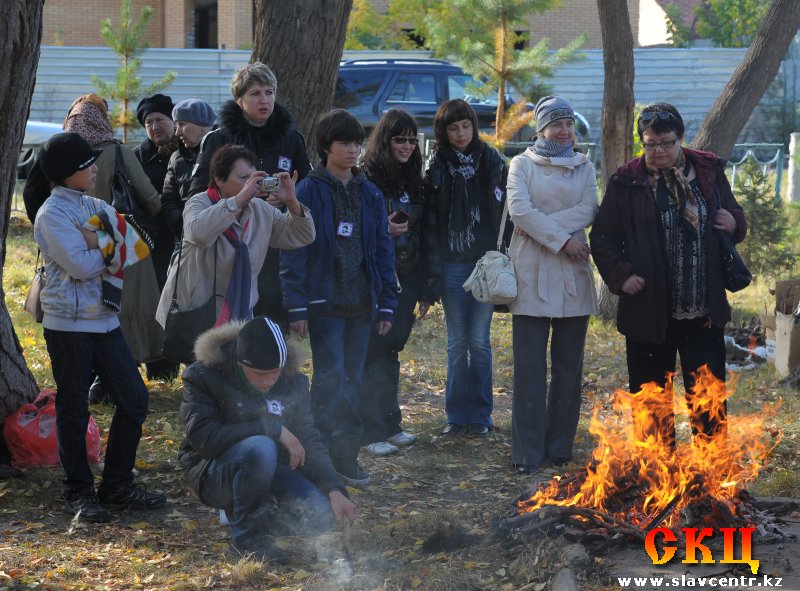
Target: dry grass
x=425, y=524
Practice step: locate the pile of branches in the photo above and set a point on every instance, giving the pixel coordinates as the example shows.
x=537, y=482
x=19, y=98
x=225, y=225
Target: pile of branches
x=601, y=530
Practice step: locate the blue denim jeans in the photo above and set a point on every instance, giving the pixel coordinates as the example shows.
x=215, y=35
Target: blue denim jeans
x=468, y=396
x=338, y=352
x=72, y=356
x=261, y=496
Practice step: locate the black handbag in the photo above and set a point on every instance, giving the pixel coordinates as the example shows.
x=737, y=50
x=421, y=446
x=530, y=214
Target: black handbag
x=122, y=194
x=123, y=197
x=184, y=326
x=735, y=273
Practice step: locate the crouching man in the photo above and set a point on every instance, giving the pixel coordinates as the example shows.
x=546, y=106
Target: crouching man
x=251, y=447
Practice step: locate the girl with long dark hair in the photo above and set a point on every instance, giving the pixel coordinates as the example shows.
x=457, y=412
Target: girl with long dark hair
x=394, y=163
x=467, y=178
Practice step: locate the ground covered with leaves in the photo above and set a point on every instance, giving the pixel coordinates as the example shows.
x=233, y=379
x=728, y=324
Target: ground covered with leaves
x=427, y=521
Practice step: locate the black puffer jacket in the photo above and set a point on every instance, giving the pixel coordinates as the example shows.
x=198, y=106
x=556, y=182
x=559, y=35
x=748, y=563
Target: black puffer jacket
x=218, y=411
x=176, y=187
x=278, y=144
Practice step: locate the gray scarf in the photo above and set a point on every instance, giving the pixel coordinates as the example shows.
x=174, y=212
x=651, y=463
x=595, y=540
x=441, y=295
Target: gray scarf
x=551, y=149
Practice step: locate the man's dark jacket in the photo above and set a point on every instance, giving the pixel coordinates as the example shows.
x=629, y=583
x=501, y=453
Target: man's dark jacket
x=218, y=410
x=627, y=238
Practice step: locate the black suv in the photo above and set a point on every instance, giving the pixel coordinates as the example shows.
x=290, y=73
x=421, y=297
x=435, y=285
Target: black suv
x=370, y=87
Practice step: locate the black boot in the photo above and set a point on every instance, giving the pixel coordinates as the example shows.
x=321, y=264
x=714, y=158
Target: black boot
x=344, y=455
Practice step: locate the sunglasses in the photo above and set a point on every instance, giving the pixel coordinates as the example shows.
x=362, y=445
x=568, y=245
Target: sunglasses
x=650, y=115
x=398, y=139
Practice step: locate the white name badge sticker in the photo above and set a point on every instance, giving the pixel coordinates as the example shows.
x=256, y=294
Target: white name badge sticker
x=345, y=229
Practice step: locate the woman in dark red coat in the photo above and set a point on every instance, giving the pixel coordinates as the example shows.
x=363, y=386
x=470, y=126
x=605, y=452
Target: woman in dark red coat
x=655, y=243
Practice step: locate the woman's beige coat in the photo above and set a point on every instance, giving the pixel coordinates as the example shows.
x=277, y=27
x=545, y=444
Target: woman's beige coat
x=551, y=200
x=261, y=226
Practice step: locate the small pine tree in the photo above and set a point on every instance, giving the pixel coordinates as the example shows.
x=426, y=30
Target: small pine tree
x=128, y=44
x=481, y=35
x=767, y=249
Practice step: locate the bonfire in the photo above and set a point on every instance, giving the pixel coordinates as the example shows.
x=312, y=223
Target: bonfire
x=640, y=478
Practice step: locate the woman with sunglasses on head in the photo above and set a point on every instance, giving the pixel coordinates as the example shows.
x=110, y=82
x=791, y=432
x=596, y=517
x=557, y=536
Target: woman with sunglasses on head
x=655, y=243
x=394, y=163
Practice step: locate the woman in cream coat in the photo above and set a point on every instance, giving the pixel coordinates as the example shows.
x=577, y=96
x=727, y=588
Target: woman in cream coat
x=226, y=233
x=552, y=198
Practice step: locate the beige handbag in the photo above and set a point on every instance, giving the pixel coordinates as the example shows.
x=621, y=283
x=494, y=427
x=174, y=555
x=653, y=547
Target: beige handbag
x=33, y=302
x=493, y=280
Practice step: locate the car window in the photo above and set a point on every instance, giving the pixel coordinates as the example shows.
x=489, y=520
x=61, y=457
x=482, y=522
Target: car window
x=414, y=88
x=464, y=86
x=356, y=87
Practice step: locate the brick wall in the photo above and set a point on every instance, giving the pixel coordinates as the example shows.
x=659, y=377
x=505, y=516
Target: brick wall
x=574, y=17
x=178, y=16
x=235, y=23
x=67, y=22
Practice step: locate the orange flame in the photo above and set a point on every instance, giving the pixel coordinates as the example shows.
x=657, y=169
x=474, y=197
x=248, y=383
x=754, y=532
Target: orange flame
x=636, y=473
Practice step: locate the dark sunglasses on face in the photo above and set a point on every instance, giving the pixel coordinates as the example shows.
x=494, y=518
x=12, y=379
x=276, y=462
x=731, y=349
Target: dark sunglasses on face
x=397, y=139
x=649, y=115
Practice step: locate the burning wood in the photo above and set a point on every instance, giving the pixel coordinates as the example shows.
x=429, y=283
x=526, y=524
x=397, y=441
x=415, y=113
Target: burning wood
x=637, y=481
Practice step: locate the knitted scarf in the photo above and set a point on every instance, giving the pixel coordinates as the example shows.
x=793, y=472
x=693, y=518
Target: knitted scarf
x=90, y=122
x=551, y=149
x=465, y=194
x=121, y=246
x=237, y=296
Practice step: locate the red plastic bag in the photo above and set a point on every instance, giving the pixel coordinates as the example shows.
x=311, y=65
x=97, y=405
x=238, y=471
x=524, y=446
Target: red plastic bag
x=30, y=433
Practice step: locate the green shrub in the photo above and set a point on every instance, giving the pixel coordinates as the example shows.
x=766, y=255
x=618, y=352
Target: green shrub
x=768, y=249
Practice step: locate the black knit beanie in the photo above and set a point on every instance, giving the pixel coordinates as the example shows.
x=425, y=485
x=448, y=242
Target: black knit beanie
x=260, y=345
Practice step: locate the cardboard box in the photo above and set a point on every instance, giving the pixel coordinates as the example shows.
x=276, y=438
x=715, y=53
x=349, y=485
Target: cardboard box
x=787, y=295
x=768, y=322
x=787, y=344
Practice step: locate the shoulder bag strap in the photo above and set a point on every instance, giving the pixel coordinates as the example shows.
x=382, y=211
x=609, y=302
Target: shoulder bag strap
x=503, y=219
x=178, y=271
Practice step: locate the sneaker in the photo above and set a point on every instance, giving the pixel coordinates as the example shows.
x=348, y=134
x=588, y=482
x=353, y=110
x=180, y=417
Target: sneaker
x=382, y=448
x=133, y=496
x=402, y=439
x=87, y=508
x=360, y=478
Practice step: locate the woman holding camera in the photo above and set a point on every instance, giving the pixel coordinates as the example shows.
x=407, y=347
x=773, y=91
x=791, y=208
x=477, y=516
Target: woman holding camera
x=226, y=233
x=255, y=119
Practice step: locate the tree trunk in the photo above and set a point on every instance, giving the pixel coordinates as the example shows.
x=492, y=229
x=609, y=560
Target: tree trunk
x=617, y=117
x=302, y=42
x=618, y=104
x=21, y=31
x=749, y=82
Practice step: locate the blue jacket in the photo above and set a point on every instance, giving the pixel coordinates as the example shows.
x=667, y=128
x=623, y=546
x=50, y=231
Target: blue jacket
x=307, y=273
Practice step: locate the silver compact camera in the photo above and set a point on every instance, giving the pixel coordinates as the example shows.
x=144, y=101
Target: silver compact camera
x=269, y=184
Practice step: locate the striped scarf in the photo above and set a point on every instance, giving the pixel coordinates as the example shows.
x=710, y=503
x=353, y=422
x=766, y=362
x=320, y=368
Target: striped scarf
x=551, y=149
x=237, y=296
x=121, y=246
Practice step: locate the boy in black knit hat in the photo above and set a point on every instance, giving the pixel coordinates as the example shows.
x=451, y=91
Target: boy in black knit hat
x=251, y=441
